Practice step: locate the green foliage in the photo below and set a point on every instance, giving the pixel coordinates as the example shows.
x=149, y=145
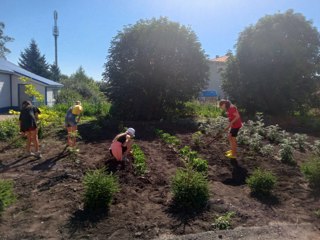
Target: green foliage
x=267, y=150
x=55, y=73
x=197, y=138
x=139, y=162
x=190, y=190
x=316, y=147
x=90, y=109
x=8, y=129
x=7, y=196
x=214, y=126
x=311, y=171
x=255, y=142
x=200, y=109
x=3, y=40
x=153, y=68
x=32, y=60
x=79, y=87
x=99, y=189
x=273, y=133
x=168, y=138
x=286, y=63
x=261, y=182
x=301, y=141
x=286, y=153
x=223, y=222
x=192, y=160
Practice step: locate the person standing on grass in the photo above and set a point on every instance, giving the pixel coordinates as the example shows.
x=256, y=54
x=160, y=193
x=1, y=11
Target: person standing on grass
x=234, y=126
x=121, y=144
x=71, y=121
x=28, y=127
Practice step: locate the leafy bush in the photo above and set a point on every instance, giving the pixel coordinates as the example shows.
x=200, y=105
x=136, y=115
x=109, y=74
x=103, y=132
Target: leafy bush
x=190, y=190
x=301, y=141
x=196, y=138
x=139, y=162
x=193, y=161
x=261, y=182
x=255, y=142
x=316, y=147
x=267, y=150
x=311, y=171
x=214, y=126
x=99, y=189
x=274, y=134
x=208, y=110
x=224, y=222
x=244, y=136
x=286, y=153
x=7, y=196
x=8, y=129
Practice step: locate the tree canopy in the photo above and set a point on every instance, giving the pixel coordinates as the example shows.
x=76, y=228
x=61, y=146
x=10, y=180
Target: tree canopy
x=153, y=67
x=275, y=66
x=3, y=40
x=32, y=61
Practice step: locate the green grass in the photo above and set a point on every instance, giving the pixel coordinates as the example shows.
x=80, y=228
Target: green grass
x=200, y=109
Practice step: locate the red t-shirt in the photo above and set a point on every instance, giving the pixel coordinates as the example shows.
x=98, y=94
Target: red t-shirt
x=231, y=115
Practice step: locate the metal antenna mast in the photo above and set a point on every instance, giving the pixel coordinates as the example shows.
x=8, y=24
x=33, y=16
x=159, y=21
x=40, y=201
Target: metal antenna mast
x=55, y=33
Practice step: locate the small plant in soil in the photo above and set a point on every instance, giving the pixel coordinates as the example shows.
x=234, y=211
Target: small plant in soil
x=274, y=134
x=311, y=171
x=261, y=182
x=190, y=190
x=192, y=160
x=197, y=138
x=139, y=162
x=301, y=141
x=168, y=138
x=255, y=142
x=223, y=222
x=316, y=147
x=7, y=196
x=99, y=189
x=286, y=153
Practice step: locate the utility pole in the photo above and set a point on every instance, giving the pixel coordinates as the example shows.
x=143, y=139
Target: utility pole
x=55, y=34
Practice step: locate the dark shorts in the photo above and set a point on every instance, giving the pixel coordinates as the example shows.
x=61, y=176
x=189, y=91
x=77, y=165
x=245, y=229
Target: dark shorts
x=234, y=132
x=71, y=123
x=29, y=129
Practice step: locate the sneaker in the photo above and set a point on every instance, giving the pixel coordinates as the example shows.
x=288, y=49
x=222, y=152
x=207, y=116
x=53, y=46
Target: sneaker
x=38, y=155
x=231, y=156
x=228, y=152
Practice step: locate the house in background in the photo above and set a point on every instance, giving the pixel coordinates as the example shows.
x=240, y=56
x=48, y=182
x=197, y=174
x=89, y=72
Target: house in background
x=12, y=89
x=213, y=90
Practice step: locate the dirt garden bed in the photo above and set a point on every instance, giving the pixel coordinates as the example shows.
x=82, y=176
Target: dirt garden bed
x=50, y=191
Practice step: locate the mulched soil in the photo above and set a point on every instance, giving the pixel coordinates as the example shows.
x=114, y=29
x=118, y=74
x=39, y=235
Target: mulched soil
x=50, y=191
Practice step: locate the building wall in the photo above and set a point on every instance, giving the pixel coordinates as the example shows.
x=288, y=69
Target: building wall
x=5, y=99
x=15, y=83
x=50, y=97
x=215, y=79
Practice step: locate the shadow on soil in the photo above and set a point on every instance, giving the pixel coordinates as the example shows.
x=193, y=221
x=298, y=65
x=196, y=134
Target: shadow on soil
x=239, y=175
x=50, y=162
x=81, y=219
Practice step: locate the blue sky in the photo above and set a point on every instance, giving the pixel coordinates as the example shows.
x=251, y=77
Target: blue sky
x=87, y=26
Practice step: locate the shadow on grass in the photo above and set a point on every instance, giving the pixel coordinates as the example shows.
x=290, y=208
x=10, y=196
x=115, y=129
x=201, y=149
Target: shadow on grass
x=86, y=218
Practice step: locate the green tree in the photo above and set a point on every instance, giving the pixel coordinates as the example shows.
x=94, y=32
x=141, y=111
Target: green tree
x=55, y=73
x=274, y=69
x=153, y=67
x=32, y=60
x=79, y=87
x=3, y=40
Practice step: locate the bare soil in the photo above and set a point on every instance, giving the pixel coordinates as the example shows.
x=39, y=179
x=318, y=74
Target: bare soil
x=50, y=191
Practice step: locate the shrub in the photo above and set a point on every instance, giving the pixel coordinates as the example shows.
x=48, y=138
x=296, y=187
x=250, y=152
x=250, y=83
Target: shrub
x=244, y=136
x=224, y=222
x=201, y=109
x=190, y=190
x=267, y=150
x=261, y=182
x=274, y=134
x=139, y=162
x=286, y=153
x=99, y=189
x=196, y=138
x=7, y=196
x=199, y=164
x=192, y=160
x=316, y=147
x=255, y=142
x=8, y=129
x=311, y=171
x=301, y=141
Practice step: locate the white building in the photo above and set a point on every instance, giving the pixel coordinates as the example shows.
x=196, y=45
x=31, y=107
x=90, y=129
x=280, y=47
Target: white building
x=214, y=89
x=12, y=92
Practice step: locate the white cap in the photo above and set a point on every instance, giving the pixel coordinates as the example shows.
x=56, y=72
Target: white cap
x=131, y=131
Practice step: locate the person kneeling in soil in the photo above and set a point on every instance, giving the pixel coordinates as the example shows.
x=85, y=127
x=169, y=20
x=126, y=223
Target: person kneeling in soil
x=121, y=145
x=234, y=126
x=28, y=127
x=71, y=121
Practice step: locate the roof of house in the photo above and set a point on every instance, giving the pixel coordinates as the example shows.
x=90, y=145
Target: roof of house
x=222, y=59
x=9, y=67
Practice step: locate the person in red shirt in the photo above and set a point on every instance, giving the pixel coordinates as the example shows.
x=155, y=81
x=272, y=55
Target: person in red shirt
x=234, y=126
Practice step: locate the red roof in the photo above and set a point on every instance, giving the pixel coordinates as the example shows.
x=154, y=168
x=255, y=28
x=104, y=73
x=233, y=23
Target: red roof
x=220, y=59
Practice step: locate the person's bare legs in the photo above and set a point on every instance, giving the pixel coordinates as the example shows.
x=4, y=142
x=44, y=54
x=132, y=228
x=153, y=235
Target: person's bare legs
x=72, y=131
x=233, y=144
x=35, y=139
x=29, y=140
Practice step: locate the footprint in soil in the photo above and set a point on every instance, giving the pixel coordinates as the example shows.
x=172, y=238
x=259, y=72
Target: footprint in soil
x=239, y=175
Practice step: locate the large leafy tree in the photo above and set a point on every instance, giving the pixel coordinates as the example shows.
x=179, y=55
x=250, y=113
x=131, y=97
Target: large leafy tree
x=275, y=66
x=32, y=60
x=153, y=67
x=3, y=40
